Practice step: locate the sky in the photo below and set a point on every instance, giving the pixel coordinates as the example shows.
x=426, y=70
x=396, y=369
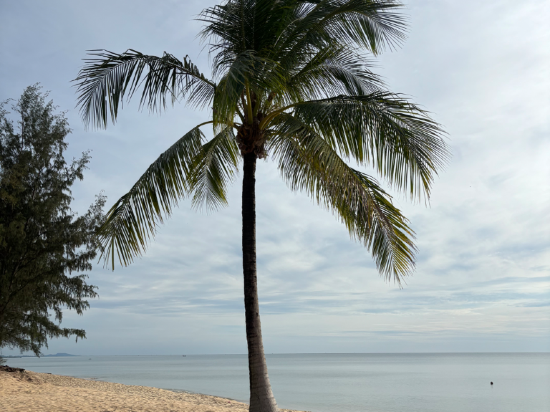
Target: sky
x=482, y=280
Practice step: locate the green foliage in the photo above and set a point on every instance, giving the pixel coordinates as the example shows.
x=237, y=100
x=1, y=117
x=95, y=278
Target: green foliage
x=293, y=79
x=42, y=242
x=109, y=77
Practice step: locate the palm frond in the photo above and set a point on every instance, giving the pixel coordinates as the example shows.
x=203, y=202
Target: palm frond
x=374, y=24
x=310, y=26
x=133, y=218
x=243, y=25
x=384, y=130
x=213, y=169
x=331, y=71
x=247, y=75
x=108, y=77
x=309, y=164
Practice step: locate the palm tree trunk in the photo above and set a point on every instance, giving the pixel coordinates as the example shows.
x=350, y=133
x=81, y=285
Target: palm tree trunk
x=261, y=396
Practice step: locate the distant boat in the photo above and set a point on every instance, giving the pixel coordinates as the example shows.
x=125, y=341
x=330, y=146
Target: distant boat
x=183, y=356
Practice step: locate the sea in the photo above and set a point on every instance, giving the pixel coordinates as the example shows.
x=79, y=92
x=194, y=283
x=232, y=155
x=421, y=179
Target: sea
x=428, y=382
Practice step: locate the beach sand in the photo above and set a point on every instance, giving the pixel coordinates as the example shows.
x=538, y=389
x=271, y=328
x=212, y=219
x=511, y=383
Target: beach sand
x=31, y=391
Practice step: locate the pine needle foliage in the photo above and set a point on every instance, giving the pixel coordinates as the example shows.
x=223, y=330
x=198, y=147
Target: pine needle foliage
x=292, y=80
x=43, y=244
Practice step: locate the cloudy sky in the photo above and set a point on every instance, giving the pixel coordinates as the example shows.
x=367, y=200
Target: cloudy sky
x=482, y=281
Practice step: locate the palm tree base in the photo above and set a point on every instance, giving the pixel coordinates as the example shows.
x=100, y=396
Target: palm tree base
x=261, y=396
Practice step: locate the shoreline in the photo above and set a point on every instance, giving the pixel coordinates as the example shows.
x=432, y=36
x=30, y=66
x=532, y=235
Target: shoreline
x=34, y=391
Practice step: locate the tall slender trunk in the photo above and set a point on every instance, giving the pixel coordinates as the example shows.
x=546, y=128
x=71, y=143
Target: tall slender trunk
x=261, y=396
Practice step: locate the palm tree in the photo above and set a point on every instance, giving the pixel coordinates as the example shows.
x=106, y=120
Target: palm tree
x=291, y=80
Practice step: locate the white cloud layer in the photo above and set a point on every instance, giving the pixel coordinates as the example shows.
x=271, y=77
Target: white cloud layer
x=483, y=275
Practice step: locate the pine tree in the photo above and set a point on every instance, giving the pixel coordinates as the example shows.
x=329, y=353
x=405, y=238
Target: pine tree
x=43, y=243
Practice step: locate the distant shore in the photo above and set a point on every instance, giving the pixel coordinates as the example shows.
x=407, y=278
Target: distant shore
x=33, y=392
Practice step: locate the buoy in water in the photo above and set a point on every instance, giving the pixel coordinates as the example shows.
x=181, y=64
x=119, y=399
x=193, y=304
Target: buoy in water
x=491, y=383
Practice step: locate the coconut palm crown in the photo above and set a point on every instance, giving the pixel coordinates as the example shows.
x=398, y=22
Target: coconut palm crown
x=290, y=81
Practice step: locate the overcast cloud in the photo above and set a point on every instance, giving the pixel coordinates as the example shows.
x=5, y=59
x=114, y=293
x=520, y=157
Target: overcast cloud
x=482, y=281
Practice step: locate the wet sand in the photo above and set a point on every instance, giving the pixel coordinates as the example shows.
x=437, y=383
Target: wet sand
x=31, y=391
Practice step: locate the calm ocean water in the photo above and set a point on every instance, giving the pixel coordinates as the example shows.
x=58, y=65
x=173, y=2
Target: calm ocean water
x=338, y=382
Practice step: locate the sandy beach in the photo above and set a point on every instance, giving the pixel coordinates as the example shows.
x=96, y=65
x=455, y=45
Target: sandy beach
x=31, y=391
